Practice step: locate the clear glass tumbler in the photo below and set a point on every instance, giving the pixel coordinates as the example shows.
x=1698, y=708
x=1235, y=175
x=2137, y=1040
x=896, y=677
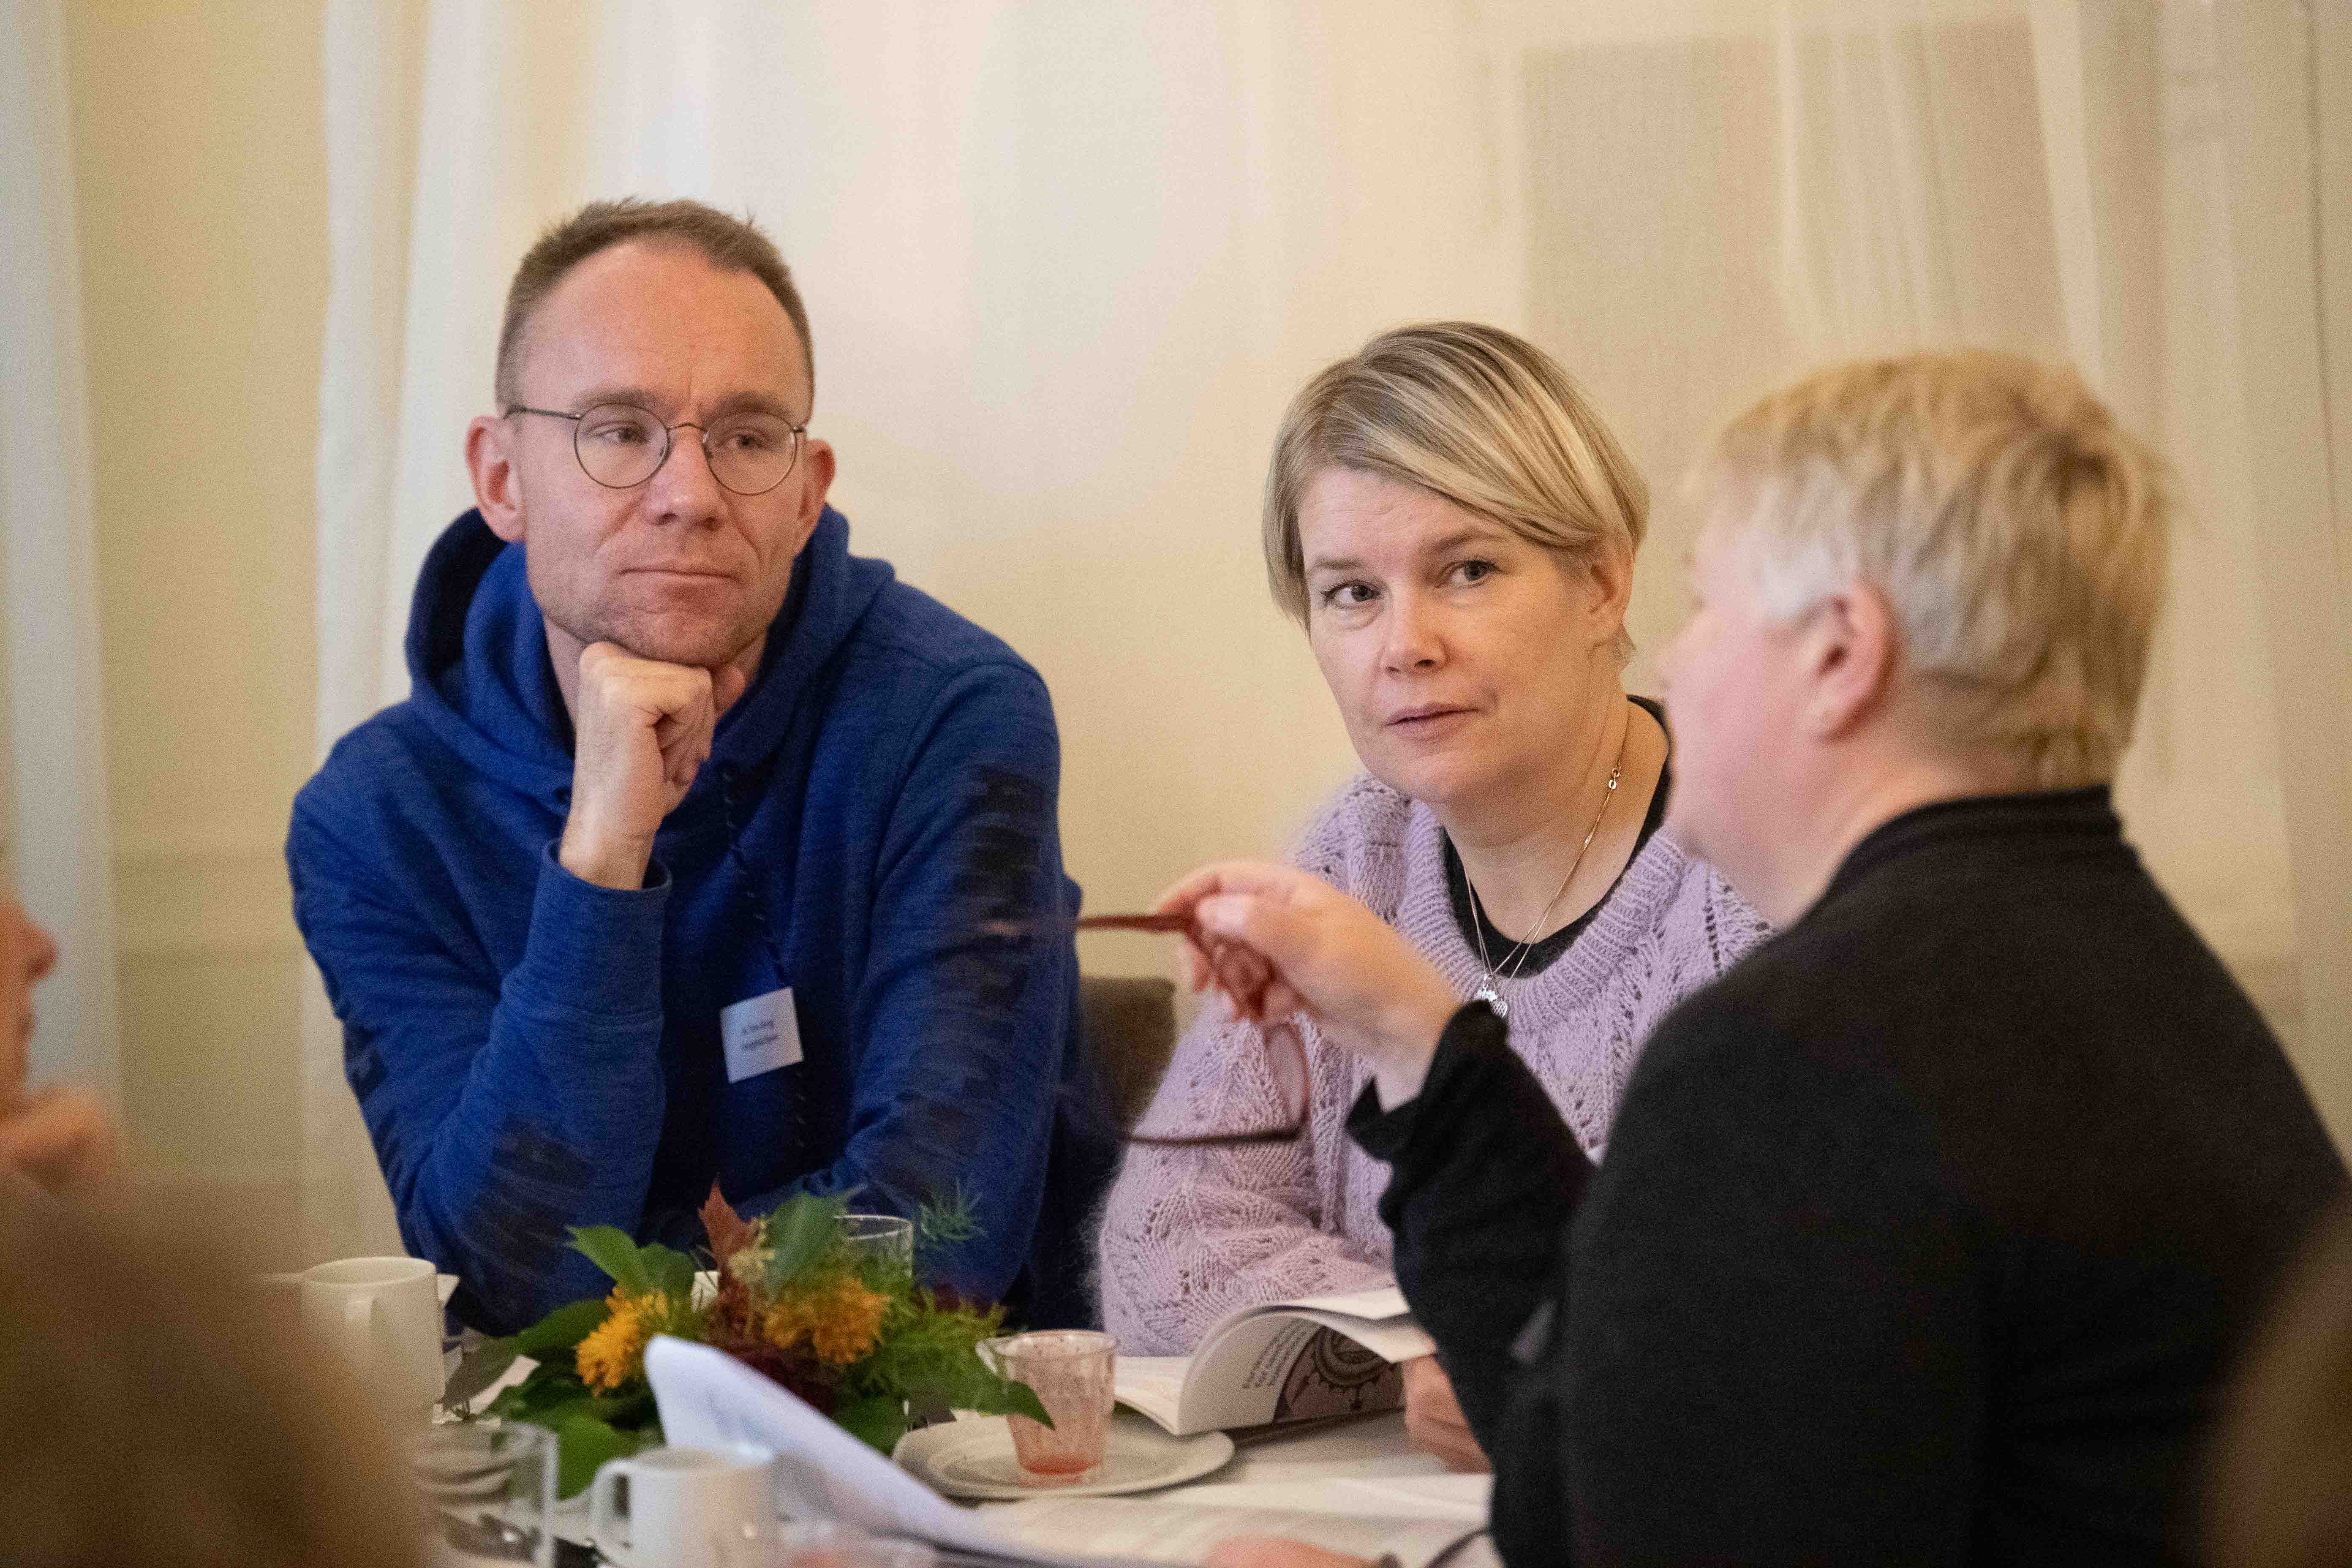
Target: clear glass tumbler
x=882, y=1235
x=1070, y=1371
x=483, y=1492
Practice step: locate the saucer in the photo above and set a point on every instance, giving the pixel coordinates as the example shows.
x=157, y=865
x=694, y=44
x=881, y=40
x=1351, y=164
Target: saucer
x=973, y=1459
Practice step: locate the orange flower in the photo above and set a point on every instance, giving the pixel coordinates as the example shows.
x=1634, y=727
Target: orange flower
x=615, y=1352
x=839, y=1318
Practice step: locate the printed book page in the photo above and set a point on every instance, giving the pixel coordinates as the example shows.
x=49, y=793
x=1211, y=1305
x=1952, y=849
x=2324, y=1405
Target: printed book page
x=1303, y=1360
x=1375, y=1305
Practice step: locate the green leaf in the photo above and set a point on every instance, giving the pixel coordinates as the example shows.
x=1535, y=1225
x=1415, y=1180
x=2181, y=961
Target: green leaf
x=561, y=1330
x=585, y=1443
x=1020, y=1399
x=540, y=1397
x=800, y=1233
x=634, y=1407
x=671, y=1271
x=481, y=1366
x=612, y=1251
x=879, y=1421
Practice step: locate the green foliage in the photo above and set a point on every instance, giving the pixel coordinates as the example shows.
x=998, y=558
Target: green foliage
x=480, y=1367
x=926, y=1353
x=614, y=1251
x=877, y=1421
x=803, y=1232
x=652, y=1269
x=561, y=1330
x=553, y=1395
x=583, y=1444
x=557, y=1334
x=948, y=1222
x=589, y=1428
x=929, y=1354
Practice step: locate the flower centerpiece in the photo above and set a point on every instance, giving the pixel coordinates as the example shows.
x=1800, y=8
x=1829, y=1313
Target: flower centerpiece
x=848, y=1328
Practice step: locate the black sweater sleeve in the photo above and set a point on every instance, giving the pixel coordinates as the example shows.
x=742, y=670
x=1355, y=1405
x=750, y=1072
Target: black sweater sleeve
x=1483, y=1175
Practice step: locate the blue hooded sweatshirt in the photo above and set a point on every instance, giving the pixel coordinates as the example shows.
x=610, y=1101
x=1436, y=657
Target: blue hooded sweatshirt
x=532, y=1052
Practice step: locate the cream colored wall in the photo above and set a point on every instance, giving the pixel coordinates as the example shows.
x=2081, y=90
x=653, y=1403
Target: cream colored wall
x=200, y=181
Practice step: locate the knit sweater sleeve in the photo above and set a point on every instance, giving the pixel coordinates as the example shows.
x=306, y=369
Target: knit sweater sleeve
x=1189, y=1235
x=503, y=1110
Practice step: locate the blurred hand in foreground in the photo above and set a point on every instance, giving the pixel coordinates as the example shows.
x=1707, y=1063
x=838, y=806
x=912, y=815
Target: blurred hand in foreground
x=1332, y=959
x=1276, y=1551
x=1434, y=1417
x=61, y=1138
x=58, y=1137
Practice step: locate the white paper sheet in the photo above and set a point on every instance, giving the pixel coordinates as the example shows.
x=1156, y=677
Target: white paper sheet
x=706, y=1396
x=709, y=1397
x=1145, y=1530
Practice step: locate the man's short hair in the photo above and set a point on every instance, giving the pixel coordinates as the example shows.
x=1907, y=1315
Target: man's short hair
x=728, y=243
x=2019, y=534
x=1469, y=412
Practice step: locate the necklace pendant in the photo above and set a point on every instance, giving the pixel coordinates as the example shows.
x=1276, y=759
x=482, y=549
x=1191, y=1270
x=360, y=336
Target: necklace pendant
x=1492, y=998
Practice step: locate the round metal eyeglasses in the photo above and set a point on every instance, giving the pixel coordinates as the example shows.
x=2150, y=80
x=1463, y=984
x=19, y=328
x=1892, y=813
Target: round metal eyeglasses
x=621, y=445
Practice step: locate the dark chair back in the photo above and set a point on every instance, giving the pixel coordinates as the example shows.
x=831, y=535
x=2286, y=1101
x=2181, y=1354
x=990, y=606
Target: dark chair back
x=1129, y=1024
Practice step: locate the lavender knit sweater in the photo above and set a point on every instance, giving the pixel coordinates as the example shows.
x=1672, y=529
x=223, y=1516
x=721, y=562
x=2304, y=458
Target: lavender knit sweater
x=1189, y=1235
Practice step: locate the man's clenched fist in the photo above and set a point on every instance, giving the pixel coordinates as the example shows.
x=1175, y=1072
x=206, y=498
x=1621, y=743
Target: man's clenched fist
x=640, y=733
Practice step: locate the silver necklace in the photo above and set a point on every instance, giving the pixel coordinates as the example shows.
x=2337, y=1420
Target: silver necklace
x=1492, y=975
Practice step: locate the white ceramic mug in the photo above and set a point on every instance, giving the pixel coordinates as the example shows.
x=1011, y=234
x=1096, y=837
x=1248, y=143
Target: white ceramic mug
x=684, y=1504
x=382, y=1315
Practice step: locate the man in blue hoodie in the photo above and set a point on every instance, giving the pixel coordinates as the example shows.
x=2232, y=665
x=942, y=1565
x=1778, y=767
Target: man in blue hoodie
x=701, y=848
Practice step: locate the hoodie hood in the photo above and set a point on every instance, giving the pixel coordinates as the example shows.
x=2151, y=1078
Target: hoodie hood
x=482, y=680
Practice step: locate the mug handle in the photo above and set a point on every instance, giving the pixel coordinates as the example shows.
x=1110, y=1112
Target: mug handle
x=603, y=1521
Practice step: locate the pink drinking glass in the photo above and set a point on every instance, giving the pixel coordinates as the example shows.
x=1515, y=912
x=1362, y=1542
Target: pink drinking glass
x=1070, y=1371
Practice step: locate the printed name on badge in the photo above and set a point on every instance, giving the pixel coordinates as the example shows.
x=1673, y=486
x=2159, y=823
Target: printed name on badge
x=761, y=1034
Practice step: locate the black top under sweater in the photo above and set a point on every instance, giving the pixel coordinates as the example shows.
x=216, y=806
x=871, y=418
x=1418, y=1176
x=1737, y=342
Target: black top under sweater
x=1482, y=936
x=1925, y=1235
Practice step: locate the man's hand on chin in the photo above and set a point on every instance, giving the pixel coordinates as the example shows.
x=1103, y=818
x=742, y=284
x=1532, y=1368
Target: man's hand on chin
x=641, y=731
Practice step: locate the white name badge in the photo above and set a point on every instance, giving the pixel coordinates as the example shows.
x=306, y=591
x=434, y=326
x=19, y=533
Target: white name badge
x=760, y=1034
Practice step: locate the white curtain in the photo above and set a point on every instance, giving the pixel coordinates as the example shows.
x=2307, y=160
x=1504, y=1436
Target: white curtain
x=1064, y=263
x=56, y=790
x=2057, y=177
x=1067, y=261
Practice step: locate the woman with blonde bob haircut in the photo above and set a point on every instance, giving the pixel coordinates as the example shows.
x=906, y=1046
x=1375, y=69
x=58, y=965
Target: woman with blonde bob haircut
x=1454, y=527
x=1930, y=1233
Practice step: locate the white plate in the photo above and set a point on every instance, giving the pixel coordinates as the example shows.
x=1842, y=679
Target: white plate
x=975, y=1459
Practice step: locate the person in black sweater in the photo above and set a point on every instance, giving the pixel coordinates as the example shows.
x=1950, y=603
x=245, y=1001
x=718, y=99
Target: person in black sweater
x=1927, y=1233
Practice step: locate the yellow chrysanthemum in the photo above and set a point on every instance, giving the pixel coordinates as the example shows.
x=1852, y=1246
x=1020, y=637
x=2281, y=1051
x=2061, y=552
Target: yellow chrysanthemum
x=840, y=1319
x=615, y=1352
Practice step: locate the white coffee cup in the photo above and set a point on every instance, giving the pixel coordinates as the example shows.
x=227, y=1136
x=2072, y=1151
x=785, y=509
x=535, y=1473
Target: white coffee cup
x=382, y=1316
x=682, y=1503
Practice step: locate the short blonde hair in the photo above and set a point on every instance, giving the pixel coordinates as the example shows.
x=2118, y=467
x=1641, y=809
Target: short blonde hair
x=2018, y=533
x=1471, y=413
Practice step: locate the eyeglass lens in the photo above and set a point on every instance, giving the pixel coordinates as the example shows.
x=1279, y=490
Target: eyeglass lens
x=622, y=446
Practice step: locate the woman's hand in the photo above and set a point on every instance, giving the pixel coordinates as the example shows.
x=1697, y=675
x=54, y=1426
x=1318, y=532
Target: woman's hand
x=1331, y=959
x=1434, y=1417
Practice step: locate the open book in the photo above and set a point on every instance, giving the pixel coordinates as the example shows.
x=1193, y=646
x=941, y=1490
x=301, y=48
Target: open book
x=707, y=1397
x=1287, y=1361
